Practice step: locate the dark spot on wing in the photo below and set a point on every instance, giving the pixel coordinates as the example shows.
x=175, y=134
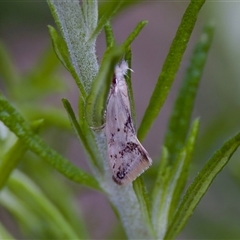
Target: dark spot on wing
x=130, y=147
x=128, y=127
x=121, y=174
x=116, y=180
x=114, y=80
x=111, y=140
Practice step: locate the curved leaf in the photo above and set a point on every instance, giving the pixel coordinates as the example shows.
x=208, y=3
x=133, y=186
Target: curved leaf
x=200, y=185
x=134, y=34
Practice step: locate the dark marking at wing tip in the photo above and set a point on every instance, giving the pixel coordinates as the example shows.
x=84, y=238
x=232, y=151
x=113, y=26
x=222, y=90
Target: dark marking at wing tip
x=116, y=180
x=120, y=175
x=146, y=157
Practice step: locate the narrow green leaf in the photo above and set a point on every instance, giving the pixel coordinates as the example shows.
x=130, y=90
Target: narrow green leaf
x=179, y=122
x=81, y=113
x=13, y=156
x=161, y=174
x=86, y=138
x=169, y=184
x=96, y=101
x=89, y=136
x=134, y=34
x=182, y=179
x=20, y=210
x=200, y=185
x=110, y=41
x=59, y=47
x=128, y=58
x=109, y=12
x=170, y=181
x=170, y=66
x=10, y=160
x=178, y=128
x=143, y=199
x=29, y=192
x=63, y=197
x=61, y=51
x=159, y=191
x=15, y=122
x=69, y=18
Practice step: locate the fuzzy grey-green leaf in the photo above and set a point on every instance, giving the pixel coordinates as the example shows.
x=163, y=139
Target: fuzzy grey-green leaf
x=75, y=32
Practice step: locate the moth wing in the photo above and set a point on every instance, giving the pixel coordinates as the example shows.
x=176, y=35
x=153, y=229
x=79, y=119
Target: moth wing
x=132, y=160
x=127, y=157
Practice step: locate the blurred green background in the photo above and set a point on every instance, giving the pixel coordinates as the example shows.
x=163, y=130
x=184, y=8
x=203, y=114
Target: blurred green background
x=23, y=31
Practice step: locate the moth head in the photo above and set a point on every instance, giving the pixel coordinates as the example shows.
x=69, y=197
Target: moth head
x=121, y=69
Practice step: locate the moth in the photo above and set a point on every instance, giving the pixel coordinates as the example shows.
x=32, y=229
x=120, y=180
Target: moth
x=127, y=157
